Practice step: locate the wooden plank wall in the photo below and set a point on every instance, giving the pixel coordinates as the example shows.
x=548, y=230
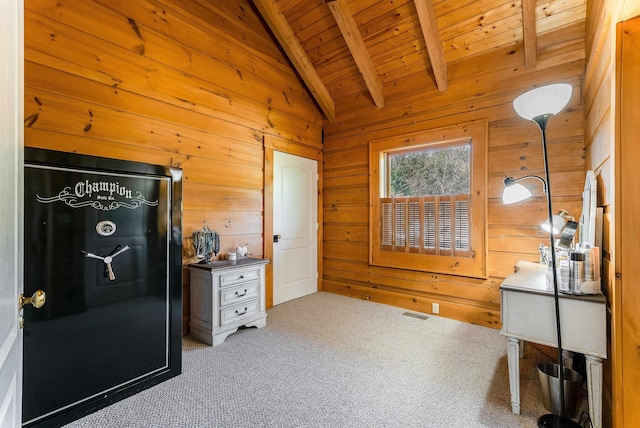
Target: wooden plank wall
x=604, y=131
x=189, y=83
x=599, y=84
x=482, y=87
x=627, y=204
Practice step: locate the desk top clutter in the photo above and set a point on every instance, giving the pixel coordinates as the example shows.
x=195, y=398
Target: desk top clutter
x=530, y=277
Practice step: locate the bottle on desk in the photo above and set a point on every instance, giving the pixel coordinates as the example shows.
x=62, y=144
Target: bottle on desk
x=576, y=266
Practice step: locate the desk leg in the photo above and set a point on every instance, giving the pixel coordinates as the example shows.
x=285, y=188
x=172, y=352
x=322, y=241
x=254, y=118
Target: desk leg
x=513, y=356
x=594, y=389
x=522, y=349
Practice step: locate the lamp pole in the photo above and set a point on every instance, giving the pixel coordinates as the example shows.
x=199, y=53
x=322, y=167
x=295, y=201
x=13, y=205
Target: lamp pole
x=550, y=419
x=539, y=105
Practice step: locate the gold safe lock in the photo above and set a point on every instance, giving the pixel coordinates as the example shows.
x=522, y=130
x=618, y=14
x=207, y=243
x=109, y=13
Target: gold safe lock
x=37, y=301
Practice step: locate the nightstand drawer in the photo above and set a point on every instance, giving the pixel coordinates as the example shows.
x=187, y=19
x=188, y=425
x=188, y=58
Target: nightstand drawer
x=234, y=313
x=239, y=276
x=239, y=293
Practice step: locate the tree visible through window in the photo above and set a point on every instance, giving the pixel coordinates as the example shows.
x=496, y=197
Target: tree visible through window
x=430, y=171
x=428, y=201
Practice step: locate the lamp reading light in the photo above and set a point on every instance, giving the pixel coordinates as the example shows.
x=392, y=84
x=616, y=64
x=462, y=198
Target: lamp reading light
x=515, y=192
x=558, y=225
x=559, y=221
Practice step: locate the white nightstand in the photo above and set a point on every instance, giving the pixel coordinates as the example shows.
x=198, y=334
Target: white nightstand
x=226, y=295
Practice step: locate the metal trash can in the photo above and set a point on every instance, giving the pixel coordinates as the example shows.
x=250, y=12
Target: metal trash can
x=549, y=376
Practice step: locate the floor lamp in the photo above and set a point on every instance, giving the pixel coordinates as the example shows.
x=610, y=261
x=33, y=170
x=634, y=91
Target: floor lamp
x=539, y=105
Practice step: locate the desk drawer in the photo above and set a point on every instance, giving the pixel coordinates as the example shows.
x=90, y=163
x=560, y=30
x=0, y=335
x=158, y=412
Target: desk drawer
x=239, y=276
x=234, y=314
x=239, y=293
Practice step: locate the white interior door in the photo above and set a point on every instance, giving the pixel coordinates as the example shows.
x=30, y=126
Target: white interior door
x=11, y=164
x=295, y=224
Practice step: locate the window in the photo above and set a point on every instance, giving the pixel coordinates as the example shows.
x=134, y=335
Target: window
x=425, y=205
x=428, y=201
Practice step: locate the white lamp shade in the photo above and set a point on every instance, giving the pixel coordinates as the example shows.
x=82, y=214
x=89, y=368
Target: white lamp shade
x=544, y=100
x=558, y=224
x=515, y=193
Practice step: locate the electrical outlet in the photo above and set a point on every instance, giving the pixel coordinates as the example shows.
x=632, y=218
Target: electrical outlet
x=435, y=308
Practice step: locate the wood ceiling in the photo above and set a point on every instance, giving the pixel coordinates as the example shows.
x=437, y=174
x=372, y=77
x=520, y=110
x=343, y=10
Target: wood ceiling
x=342, y=48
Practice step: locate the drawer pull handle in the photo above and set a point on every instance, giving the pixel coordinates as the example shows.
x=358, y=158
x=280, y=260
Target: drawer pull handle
x=241, y=276
x=241, y=313
x=243, y=294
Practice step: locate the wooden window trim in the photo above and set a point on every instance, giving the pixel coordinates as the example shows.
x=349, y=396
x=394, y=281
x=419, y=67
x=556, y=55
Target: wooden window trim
x=457, y=264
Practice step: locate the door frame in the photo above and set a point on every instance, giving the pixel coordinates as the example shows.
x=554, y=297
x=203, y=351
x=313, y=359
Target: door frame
x=273, y=143
x=12, y=143
x=625, y=334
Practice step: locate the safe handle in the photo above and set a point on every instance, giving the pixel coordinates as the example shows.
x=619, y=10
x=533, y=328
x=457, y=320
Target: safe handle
x=37, y=300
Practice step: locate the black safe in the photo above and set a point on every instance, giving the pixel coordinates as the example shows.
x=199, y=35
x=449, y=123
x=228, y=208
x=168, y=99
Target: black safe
x=103, y=241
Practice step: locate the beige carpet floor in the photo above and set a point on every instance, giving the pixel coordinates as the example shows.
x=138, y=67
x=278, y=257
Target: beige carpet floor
x=330, y=361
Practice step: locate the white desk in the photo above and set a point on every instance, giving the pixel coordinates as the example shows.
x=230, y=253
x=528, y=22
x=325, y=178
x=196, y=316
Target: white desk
x=528, y=314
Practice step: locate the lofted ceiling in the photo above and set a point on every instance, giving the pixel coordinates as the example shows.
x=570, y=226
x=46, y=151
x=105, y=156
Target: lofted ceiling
x=342, y=48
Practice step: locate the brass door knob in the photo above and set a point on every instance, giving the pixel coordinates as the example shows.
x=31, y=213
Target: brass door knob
x=37, y=300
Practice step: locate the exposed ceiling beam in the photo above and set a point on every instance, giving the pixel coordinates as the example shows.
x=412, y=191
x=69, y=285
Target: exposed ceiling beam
x=427, y=18
x=529, y=33
x=298, y=57
x=352, y=36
